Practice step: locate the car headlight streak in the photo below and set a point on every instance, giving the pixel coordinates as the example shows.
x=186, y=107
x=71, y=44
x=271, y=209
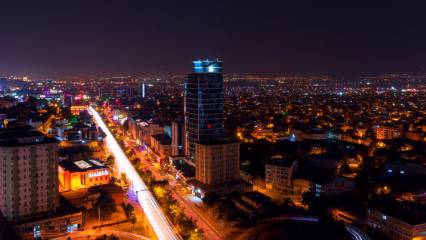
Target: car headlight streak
x=159, y=222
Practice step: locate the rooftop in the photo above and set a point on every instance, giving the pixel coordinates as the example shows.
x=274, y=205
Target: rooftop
x=81, y=165
x=411, y=213
x=207, y=66
x=281, y=161
x=257, y=197
x=10, y=137
x=318, y=176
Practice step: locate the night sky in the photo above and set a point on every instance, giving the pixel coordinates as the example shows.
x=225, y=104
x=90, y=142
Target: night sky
x=99, y=37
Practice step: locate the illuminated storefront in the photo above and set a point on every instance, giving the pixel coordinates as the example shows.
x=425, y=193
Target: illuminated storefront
x=74, y=175
x=76, y=109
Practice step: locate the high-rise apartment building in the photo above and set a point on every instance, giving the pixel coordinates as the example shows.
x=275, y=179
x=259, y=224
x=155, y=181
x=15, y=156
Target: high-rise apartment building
x=29, y=173
x=203, y=105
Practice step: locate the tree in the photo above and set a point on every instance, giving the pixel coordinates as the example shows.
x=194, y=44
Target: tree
x=186, y=225
x=123, y=178
x=196, y=235
x=308, y=198
x=223, y=210
x=146, y=176
x=109, y=160
x=129, y=210
x=159, y=191
x=176, y=212
x=288, y=202
x=136, y=163
x=106, y=237
x=106, y=205
x=344, y=168
x=133, y=221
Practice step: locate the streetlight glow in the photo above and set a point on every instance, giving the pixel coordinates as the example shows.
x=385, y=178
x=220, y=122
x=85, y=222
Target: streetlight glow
x=159, y=222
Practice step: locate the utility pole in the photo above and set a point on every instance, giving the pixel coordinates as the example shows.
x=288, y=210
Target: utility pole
x=99, y=218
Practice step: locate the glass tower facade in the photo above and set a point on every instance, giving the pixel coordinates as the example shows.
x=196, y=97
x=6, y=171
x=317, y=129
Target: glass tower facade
x=203, y=105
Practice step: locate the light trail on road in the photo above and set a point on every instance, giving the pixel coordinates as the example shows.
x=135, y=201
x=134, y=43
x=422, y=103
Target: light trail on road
x=356, y=233
x=162, y=227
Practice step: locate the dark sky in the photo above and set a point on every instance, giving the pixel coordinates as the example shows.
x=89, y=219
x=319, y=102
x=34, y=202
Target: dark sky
x=100, y=37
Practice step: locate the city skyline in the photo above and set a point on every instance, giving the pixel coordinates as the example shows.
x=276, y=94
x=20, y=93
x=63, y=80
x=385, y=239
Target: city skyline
x=221, y=120
x=202, y=159
x=52, y=39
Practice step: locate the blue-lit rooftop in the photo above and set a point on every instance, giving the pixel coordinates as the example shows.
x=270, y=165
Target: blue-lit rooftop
x=207, y=66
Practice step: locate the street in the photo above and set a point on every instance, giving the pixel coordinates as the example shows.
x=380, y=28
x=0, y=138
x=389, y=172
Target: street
x=162, y=227
x=180, y=193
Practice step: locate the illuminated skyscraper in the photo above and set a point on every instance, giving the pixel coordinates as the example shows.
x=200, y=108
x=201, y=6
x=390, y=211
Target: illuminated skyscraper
x=143, y=89
x=203, y=105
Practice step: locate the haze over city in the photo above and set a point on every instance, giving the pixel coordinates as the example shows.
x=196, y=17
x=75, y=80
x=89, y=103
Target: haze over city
x=84, y=38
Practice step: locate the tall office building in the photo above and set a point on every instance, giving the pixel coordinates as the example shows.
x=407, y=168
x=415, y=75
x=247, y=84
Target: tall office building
x=29, y=173
x=203, y=105
x=68, y=99
x=143, y=89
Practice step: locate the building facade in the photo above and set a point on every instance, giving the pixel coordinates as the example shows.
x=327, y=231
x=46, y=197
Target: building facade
x=388, y=132
x=203, y=105
x=74, y=175
x=161, y=145
x=29, y=167
x=217, y=163
x=178, y=138
x=395, y=228
x=279, y=176
x=143, y=89
x=76, y=109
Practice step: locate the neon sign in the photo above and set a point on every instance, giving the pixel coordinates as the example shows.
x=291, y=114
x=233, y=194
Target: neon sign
x=98, y=173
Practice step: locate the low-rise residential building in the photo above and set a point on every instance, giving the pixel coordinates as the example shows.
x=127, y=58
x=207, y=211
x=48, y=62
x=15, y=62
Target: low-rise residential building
x=320, y=183
x=401, y=167
x=279, y=174
x=253, y=204
x=397, y=225
x=384, y=132
x=146, y=130
x=35, y=228
x=142, y=131
x=161, y=145
x=298, y=133
x=328, y=160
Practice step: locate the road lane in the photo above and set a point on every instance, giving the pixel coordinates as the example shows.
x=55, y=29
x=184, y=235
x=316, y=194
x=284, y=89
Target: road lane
x=162, y=227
